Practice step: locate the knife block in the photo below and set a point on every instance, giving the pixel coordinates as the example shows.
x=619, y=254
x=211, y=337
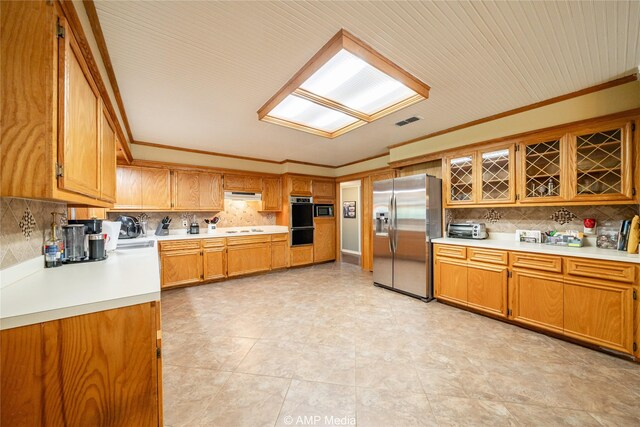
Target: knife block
x=162, y=230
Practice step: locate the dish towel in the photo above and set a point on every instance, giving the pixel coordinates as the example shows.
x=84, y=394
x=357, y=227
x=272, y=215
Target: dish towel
x=634, y=235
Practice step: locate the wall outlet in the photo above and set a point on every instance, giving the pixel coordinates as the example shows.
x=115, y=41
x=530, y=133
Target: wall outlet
x=185, y=224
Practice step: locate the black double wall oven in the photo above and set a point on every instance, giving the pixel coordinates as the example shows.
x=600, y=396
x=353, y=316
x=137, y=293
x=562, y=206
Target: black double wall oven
x=301, y=209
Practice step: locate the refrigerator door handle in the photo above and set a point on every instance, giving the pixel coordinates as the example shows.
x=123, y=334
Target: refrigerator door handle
x=395, y=223
x=390, y=232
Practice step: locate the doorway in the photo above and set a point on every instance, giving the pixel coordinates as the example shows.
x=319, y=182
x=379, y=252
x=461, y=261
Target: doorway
x=350, y=211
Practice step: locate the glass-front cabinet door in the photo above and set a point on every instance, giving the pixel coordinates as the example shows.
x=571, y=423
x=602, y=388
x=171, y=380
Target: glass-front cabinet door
x=461, y=182
x=602, y=158
x=542, y=175
x=497, y=173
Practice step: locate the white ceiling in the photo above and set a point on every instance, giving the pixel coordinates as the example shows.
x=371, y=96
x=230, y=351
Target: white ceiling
x=193, y=74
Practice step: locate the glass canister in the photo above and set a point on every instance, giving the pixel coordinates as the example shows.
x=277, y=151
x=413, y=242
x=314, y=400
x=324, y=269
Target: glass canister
x=73, y=237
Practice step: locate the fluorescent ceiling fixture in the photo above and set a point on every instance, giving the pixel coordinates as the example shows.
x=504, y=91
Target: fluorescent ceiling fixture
x=345, y=85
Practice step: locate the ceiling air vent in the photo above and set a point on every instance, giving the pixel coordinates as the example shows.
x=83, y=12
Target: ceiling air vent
x=409, y=120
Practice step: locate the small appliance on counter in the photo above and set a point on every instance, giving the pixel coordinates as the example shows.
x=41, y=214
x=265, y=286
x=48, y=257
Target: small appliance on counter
x=163, y=227
x=194, y=228
x=475, y=230
x=83, y=241
x=130, y=228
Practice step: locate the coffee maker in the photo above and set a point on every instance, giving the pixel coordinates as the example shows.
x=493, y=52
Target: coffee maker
x=83, y=241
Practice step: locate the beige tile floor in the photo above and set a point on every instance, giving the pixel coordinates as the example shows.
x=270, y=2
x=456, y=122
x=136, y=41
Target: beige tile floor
x=324, y=342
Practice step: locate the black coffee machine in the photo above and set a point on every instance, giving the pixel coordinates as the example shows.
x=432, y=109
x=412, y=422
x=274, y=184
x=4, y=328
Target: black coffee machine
x=94, y=243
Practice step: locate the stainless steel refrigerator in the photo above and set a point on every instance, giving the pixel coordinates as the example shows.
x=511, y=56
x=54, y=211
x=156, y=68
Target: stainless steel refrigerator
x=407, y=214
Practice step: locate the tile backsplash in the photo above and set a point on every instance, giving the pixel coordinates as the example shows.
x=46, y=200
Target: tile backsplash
x=544, y=218
x=23, y=228
x=236, y=213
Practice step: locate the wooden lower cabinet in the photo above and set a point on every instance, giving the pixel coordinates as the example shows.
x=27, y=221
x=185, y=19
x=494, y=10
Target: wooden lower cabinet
x=248, y=258
x=279, y=254
x=301, y=255
x=96, y=369
x=450, y=280
x=599, y=312
x=180, y=267
x=324, y=240
x=487, y=288
x=214, y=263
x=577, y=303
x=537, y=299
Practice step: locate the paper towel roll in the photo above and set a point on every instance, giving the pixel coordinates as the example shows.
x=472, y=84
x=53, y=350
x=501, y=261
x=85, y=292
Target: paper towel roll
x=634, y=235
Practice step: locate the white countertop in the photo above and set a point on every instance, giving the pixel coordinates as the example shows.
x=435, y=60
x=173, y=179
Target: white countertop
x=181, y=233
x=126, y=277
x=512, y=245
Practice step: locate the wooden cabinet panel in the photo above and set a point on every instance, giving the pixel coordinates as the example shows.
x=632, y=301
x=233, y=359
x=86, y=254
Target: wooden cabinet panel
x=211, y=193
x=214, y=263
x=248, y=183
x=492, y=256
x=95, y=369
x=299, y=186
x=301, y=255
x=487, y=288
x=600, y=313
x=179, y=245
x=212, y=243
x=22, y=379
x=532, y=261
x=180, y=267
x=187, y=190
x=243, y=240
x=450, y=280
x=324, y=189
x=108, y=162
x=129, y=188
x=324, y=240
x=460, y=180
x=78, y=117
x=537, y=299
x=156, y=188
x=279, y=254
x=450, y=251
x=271, y=194
x=605, y=270
x=86, y=213
x=282, y=237
x=248, y=258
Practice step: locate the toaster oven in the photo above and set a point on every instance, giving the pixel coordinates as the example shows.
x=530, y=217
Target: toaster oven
x=476, y=230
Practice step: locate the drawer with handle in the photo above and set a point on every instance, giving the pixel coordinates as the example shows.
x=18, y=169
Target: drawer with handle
x=492, y=256
x=605, y=270
x=536, y=261
x=179, y=245
x=213, y=243
x=451, y=251
x=244, y=240
x=283, y=237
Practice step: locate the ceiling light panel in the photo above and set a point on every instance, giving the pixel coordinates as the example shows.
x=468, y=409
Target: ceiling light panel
x=350, y=81
x=345, y=85
x=301, y=111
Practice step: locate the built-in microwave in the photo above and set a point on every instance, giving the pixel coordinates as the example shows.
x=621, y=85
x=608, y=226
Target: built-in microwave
x=322, y=210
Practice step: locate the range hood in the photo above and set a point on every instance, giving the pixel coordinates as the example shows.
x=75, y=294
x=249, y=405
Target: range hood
x=241, y=195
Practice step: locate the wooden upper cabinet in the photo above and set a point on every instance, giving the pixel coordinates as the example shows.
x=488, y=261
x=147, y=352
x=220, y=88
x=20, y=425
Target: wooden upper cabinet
x=78, y=120
x=198, y=191
x=247, y=183
x=496, y=175
x=211, y=193
x=299, y=186
x=143, y=188
x=271, y=194
x=600, y=160
x=156, y=188
x=129, y=188
x=543, y=169
x=324, y=189
x=108, y=163
x=460, y=181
